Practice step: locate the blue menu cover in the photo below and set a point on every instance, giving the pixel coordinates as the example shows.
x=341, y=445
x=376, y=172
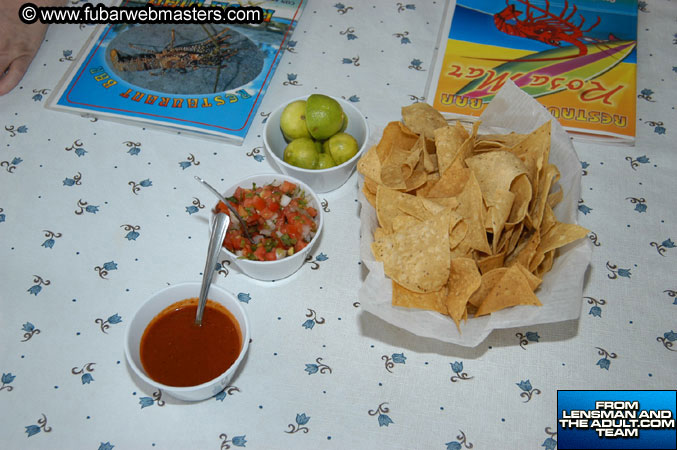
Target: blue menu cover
x=207, y=79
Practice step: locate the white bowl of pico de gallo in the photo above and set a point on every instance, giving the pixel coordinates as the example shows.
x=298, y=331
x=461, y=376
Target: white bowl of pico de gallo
x=284, y=219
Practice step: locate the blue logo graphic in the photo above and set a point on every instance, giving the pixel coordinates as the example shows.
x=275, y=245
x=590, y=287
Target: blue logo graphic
x=616, y=420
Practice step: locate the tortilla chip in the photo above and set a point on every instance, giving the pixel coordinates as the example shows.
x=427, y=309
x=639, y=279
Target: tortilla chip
x=370, y=196
x=398, y=166
x=491, y=262
x=448, y=142
x=560, y=235
x=418, y=178
x=371, y=185
x=390, y=203
x=549, y=176
x=414, y=158
x=395, y=133
x=421, y=208
x=380, y=233
x=369, y=165
x=433, y=301
x=414, y=254
x=546, y=264
x=487, y=145
x=533, y=280
x=429, y=161
x=503, y=245
x=536, y=261
x=514, y=238
x=496, y=170
x=423, y=119
x=525, y=251
x=431, y=181
x=454, y=219
x=464, y=280
x=534, y=150
x=462, y=250
x=457, y=234
x=549, y=219
x=471, y=207
x=511, y=290
x=489, y=280
x=493, y=141
x=522, y=189
x=450, y=184
x=466, y=149
x=499, y=204
x=555, y=198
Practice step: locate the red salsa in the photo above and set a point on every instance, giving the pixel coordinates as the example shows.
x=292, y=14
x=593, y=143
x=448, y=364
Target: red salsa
x=176, y=352
x=279, y=219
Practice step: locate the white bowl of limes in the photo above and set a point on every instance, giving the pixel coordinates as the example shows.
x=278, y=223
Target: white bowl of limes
x=317, y=139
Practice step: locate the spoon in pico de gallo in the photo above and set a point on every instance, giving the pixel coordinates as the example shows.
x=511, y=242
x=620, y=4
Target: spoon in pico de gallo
x=233, y=211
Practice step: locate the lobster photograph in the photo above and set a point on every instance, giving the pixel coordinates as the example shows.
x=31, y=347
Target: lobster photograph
x=184, y=58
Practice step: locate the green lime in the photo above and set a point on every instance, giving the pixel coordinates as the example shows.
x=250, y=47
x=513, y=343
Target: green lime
x=301, y=152
x=293, y=121
x=345, y=123
x=318, y=146
x=325, y=161
x=342, y=147
x=324, y=116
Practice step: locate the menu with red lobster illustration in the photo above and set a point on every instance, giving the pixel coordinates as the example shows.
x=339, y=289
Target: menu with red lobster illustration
x=578, y=58
x=197, y=76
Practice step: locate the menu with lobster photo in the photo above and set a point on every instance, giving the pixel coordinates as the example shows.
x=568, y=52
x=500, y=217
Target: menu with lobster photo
x=578, y=58
x=199, y=78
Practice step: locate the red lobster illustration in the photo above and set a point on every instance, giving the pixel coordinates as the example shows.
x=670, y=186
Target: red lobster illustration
x=544, y=26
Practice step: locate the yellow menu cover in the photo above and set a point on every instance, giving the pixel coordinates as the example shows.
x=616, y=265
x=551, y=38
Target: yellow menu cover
x=576, y=58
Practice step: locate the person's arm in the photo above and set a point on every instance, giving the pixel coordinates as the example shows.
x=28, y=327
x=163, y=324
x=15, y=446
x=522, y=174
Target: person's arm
x=18, y=42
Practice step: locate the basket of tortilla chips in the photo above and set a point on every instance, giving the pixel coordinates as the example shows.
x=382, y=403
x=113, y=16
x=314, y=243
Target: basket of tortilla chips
x=471, y=228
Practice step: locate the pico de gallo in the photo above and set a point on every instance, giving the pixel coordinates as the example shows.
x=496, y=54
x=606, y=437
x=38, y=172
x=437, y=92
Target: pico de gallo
x=279, y=218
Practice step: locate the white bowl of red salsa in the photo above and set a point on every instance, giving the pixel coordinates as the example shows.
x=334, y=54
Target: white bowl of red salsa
x=166, y=350
x=284, y=220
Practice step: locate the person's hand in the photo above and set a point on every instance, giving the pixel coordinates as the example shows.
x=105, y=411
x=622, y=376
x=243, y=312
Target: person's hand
x=18, y=42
